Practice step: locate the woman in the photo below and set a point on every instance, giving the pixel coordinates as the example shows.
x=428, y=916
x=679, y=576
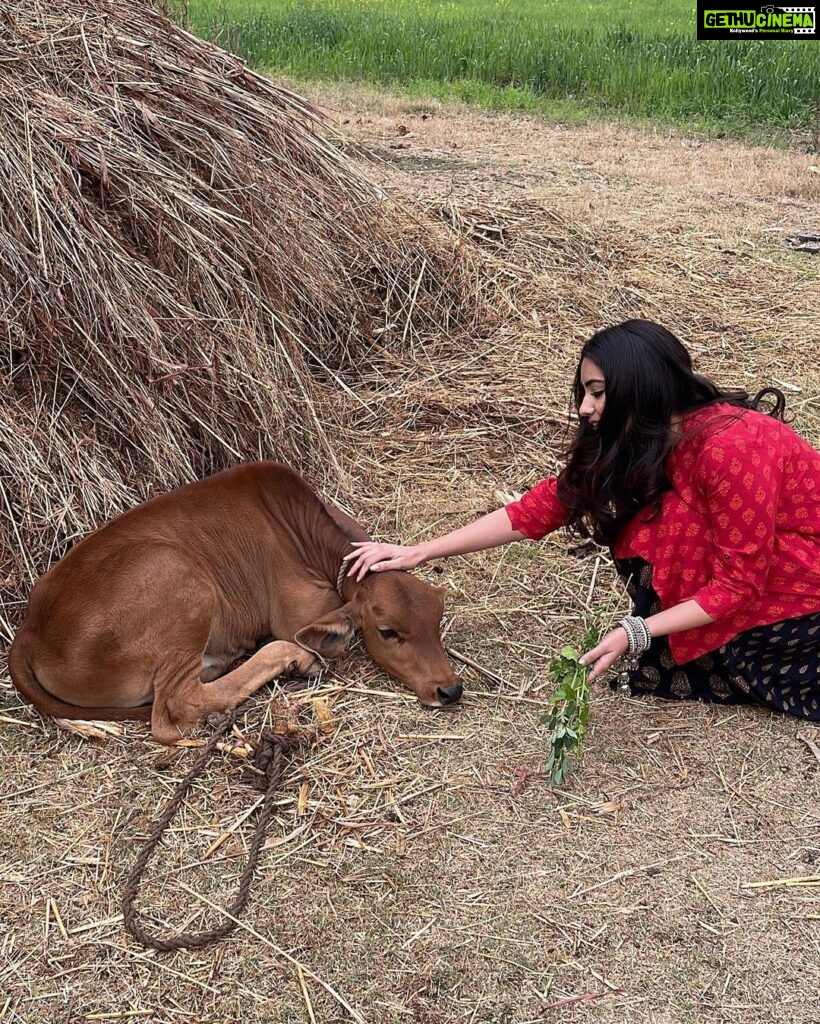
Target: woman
x=712, y=512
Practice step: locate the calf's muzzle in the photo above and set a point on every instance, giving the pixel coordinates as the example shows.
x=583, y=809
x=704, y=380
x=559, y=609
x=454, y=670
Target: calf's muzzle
x=450, y=694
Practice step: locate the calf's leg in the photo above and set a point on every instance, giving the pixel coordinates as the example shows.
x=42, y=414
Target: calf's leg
x=181, y=700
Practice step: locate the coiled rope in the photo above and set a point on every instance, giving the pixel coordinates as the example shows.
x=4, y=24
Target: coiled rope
x=270, y=758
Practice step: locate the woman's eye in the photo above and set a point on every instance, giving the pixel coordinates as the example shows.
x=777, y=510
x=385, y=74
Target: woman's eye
x=389, y=634
x=597, y=394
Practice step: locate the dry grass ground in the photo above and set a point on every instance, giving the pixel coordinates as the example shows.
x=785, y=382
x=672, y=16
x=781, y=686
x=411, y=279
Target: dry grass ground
x=421, y=869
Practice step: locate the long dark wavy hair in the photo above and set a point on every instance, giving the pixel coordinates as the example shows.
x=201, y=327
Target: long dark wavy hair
x=616, y=468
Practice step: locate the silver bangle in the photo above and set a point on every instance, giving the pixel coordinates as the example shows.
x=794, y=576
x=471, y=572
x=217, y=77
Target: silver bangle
x=637, y=634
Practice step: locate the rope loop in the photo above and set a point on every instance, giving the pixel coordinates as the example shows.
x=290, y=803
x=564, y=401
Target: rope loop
x=270, y=757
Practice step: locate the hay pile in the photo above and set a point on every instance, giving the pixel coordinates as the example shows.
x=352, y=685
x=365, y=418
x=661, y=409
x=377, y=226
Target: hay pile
x=188, y=262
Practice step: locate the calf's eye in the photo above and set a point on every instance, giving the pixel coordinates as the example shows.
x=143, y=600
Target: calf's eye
x=389, y=634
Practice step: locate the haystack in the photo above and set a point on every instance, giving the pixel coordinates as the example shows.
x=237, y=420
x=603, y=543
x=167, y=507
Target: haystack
x=189, y=267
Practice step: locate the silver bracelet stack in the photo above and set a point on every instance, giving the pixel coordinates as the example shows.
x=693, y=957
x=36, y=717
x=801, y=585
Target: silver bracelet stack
x=637, y=634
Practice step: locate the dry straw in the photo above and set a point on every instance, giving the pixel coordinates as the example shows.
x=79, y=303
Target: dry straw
x=189, y=264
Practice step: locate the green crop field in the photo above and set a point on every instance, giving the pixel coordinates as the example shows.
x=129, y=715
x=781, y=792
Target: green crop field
x=636, y=58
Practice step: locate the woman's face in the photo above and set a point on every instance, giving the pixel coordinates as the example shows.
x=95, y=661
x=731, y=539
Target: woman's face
x=592, y=381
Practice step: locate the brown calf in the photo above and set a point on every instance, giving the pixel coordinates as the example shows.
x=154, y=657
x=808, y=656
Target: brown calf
x=142, y=618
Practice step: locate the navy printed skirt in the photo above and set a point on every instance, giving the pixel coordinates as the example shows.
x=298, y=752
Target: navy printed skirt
x=777, y=665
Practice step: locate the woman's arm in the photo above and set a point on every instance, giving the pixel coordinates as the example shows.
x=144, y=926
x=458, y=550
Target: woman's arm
x=487, y=532
x=537, y=513
x=683, y=616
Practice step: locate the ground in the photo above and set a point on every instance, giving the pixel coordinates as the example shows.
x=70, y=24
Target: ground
x=421, y=869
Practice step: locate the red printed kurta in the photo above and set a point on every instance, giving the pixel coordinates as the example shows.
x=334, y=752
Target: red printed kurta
x=739, y=531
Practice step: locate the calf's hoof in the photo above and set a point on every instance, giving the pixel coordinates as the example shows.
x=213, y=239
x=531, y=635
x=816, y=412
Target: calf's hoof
x=305, y=664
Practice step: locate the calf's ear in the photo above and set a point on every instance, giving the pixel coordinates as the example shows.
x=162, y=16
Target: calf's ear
x=330, y=635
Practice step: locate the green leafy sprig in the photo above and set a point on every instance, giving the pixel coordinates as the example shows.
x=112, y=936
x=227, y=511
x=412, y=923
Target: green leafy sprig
x=567, y=712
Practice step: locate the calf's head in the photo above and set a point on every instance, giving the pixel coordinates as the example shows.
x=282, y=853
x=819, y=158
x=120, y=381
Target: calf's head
x=399, y=617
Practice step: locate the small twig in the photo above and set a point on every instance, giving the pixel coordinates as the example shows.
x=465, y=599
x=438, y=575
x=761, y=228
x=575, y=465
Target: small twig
x=56, y=914
x=587, y=997
x=17, y=721
x=628, y=873
x=591, y=589
x=413, y=297
x=700, y=886
x=474, y=664
x=233, y=827
x=808, y=880
x=305, y=994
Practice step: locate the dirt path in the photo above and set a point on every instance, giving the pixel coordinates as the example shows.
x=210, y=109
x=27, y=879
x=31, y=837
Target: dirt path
x=619, y=174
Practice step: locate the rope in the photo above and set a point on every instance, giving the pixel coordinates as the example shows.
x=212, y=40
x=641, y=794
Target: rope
x=269, y=759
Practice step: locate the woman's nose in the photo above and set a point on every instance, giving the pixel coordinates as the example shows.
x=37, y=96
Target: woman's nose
x=585, y=408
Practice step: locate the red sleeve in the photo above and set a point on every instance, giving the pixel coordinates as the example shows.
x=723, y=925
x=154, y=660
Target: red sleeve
x=539, y=511
x=739, y=476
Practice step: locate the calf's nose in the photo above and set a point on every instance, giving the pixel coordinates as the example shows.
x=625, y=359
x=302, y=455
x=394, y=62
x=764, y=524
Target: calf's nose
x=450, y=694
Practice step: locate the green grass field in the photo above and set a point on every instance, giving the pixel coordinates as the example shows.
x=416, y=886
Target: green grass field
x=636, y=58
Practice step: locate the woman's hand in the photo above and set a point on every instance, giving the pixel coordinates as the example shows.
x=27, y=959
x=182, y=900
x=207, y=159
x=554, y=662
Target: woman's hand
x=369, y=556
x=602, y=657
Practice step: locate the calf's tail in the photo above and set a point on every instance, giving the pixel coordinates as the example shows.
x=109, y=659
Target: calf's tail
x=23, y=677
